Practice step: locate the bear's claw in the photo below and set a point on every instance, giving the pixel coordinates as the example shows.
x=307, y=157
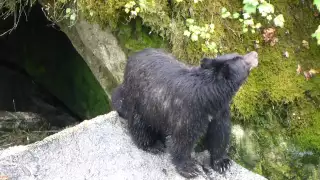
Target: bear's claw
x=189, y=169
x=221, y=165
x=157, y=148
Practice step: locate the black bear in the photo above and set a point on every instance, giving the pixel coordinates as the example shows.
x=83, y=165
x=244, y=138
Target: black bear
x=163, y=98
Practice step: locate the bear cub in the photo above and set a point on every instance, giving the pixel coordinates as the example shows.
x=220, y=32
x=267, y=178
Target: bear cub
x=164, y=99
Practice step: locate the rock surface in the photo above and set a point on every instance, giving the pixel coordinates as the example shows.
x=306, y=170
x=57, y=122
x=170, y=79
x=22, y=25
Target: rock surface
x=100, y=49
x=97, y=149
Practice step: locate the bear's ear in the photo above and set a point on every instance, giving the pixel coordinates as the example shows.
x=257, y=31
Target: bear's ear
x=206, y=63
x=227, y=57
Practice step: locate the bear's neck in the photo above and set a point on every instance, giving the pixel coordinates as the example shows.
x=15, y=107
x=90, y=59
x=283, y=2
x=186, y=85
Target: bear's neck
x=213, y=91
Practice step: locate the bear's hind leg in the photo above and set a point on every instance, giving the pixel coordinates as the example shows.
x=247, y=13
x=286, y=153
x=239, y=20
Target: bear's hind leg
x=181, y=146
x=117, y=101
x=144, y=136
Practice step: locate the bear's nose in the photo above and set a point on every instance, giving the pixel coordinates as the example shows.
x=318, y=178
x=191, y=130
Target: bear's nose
x=252, y=59
x=255, y=54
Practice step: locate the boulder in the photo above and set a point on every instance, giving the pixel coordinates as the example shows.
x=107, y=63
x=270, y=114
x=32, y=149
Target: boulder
x=100, y=148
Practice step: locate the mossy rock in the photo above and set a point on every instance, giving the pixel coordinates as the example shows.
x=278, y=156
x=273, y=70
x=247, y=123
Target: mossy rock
x=134, y=37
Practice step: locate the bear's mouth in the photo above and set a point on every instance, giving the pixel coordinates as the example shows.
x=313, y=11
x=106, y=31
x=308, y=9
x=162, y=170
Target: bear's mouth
x=251, y=59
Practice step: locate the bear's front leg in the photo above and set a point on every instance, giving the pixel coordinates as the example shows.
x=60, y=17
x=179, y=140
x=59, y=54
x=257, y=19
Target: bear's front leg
x=218, y=137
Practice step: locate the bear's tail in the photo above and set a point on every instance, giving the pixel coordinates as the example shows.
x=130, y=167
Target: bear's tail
x=117, y=101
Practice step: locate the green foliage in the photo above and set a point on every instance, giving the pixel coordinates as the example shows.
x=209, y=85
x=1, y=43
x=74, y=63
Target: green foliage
x=106, y=13
x=62, y=10
x=134, y=37
x=317, y=4
x=317, y=33
x=250, y=8
x=306, y=132
x=205, y=33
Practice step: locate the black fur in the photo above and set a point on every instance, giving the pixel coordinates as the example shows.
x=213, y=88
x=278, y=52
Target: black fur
x=161, y=97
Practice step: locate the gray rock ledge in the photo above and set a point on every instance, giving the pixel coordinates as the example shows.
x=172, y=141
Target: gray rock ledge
x=97, y=149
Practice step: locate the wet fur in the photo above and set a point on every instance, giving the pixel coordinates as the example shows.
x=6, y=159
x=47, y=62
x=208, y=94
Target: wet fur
x=163, y=98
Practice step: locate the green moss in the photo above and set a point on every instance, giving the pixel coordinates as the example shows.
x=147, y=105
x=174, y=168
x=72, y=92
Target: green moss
x=307, y=134
x=135, y=36
x=105, y=13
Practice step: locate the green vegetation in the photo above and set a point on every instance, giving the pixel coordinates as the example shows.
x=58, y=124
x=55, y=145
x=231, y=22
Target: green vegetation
x=280, y=103
x=317, y=33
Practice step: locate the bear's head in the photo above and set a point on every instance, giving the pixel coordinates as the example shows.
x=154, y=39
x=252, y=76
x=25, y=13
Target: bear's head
x=232, y=67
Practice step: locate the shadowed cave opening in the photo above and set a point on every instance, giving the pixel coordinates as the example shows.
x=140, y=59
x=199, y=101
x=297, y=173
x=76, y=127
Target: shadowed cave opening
x=45, y=84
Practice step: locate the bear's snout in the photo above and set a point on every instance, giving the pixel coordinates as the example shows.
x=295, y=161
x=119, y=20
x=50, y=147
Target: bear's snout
x=251, y=59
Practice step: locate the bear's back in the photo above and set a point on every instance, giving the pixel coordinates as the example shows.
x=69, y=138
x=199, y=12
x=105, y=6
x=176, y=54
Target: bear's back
x=155, y=59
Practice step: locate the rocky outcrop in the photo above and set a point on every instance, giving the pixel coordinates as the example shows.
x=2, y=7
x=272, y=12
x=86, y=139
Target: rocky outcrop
x=97, y=149
x=98, y=47
x=100, y=50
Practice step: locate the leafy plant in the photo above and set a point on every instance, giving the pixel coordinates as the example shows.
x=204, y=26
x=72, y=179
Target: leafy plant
x=61, y=10
x=132, y=8
x=250, y=8
x=194, y=32
x=316, y=34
